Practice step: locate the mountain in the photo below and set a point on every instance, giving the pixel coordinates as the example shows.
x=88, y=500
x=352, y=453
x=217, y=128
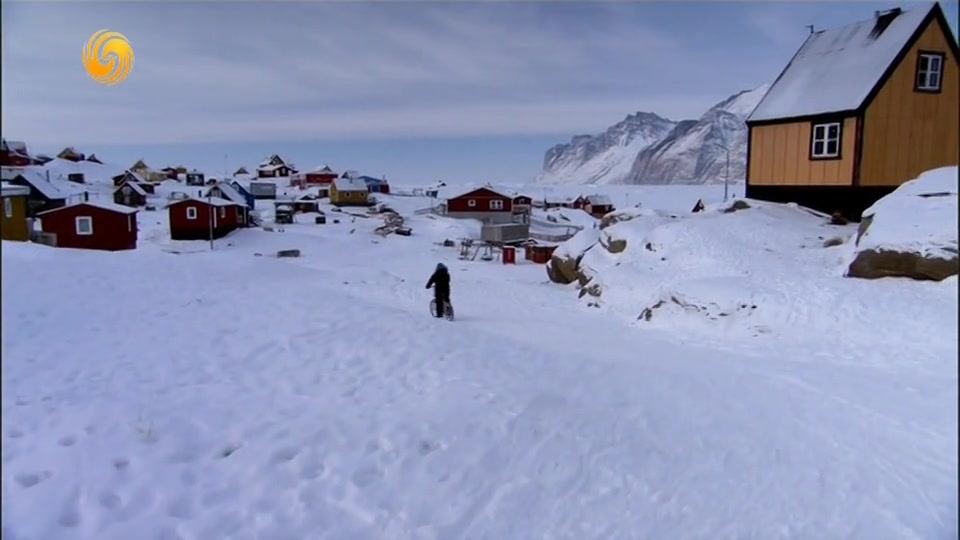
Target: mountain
x=605, y=158
x=636, y=151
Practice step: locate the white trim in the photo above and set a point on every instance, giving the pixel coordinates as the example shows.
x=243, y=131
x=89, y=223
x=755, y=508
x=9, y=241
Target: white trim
x=8, y=207
x=496, y=204
x=130, y=223
x=84, y=219
x=223, y=211
x=471, y=202
x=931, y=78
x=191, y=212
x=821, y=134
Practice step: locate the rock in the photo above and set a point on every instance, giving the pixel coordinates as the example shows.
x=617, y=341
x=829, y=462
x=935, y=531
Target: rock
x=563, y=270
x=737, y=205
x=837, y=219
x=833, y=242
x=875, y=264
x=288, y=253
x=613, y=245
x=618, y=216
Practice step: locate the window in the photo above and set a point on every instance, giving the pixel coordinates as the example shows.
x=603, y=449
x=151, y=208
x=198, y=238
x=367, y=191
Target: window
x=191, y=212
x=8, y=207
x=223, y=212
x=825, y=141
x=84, y=225
x=496, y=204
x=471, y=203
x=929, y=72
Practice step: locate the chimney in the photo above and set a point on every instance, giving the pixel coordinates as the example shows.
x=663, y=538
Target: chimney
x=86, y=196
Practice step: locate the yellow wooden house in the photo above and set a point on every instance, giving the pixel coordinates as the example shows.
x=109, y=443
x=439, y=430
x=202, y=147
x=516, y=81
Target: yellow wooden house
x=14, y=225
x=858, y=111
x=349, y=192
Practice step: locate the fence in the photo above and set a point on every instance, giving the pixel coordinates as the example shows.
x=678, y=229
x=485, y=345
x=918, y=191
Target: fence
x=45, y=238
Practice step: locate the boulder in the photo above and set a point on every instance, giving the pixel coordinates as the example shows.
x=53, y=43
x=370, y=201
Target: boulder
x=613, y=245
x=912, y=232
x=738, y=204
x=563, y=269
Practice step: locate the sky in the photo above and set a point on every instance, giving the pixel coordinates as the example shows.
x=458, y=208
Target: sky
x=418, y=91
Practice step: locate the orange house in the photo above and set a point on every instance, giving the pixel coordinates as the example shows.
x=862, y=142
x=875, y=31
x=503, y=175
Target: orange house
x=858, y=111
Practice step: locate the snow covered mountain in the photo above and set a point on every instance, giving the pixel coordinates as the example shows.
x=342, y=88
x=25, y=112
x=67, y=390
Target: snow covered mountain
x=635, y=151
x=606, y=158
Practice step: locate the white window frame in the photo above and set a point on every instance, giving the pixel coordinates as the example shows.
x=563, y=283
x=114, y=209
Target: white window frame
x=83, y=219
x=925, y=76
x=496, y=204
x=223, y=212
x=130, y=223
x=191, y=212
x=8, y=207
x=471, y=203
x=821, y=134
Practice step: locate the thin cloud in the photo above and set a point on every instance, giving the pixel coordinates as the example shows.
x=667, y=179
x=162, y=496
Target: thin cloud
x=293, y=71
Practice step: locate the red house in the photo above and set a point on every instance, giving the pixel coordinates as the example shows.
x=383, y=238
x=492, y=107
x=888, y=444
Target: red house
x=580, y=203
x=598, y=205
x=321, y=176
x=15, y=154
x=199, y=219
x=484, y=204
x=92, y=225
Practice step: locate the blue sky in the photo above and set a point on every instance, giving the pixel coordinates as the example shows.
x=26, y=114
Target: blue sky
x=414, y=91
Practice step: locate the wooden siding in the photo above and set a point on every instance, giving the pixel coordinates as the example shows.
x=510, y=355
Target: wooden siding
x=907, y=132
x=780, y=156
x=15, y=227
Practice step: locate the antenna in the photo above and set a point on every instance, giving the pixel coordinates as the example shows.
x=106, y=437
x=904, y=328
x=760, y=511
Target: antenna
x=810, y=27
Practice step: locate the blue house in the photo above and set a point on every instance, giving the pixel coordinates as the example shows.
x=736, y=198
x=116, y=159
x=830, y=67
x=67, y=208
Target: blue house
x=251, y=200
x=376, y=185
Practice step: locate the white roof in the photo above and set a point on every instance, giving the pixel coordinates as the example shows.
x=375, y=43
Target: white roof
x=835, y=70
x=16, y=146
x=599, y=200
x=231, y=193
x=269, y=167
x=350, y=184
x=54, y=188
x=10, y=190
x=104, y=205
x=322, y=169
x=134, y=185
x=137, y=177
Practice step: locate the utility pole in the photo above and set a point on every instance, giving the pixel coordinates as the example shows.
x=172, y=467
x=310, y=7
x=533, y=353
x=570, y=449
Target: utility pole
x=726, y=173
x=211, y=210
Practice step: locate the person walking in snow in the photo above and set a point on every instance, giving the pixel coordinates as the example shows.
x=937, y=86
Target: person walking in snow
x=440, y=281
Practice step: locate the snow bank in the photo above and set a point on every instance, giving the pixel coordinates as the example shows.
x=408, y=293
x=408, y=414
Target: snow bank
x=912, y=232
x=920, y=216
x=731, y=275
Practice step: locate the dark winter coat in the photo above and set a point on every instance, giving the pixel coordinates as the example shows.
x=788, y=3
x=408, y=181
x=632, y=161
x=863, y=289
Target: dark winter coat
x=441, y=283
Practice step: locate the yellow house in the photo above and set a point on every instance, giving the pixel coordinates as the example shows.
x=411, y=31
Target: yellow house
x=858, y=111
x=349, y=192
x=14, y=225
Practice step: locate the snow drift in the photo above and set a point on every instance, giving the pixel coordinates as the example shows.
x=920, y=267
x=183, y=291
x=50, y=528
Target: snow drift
x=911, y=232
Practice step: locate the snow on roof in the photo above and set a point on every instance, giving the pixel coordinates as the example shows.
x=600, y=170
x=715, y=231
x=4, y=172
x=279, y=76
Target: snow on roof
x=599, y=200
x=350, y=184
x=15, y=146
x=322, y=169
x=52, y=188
x=10, y=190
x=103, y=205
x=134, y=186
x=230, y=193
x=214, y=201
x=835, y=70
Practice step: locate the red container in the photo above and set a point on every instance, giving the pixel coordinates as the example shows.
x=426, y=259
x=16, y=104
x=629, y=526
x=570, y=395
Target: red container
x=509, y=255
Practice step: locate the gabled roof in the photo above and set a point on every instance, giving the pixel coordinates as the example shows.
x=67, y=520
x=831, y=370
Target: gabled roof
x=139, y=165
x=213, y=201
x=18, y=147
x=51, y=188
x=272, y=160
x=103, y=205
x=241, y=170
x=478, y=191
x=599, y=200
x=130, y=175
x=229, y=192
x=322, y=169
x=133, y=185
x=840, y=70
x=350, y=184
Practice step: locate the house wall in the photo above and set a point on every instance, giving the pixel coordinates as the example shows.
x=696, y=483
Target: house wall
x=482, y=198
x=347, y=197
x=486, y=217
x=112, y=231
x=780, y=156
x=15, y=227
x=182, y=228
x=907, y=132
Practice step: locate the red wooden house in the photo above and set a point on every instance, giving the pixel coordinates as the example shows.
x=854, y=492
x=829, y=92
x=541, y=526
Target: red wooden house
x=598, y=205
x=15, y=154
x=484, y=204
x=321, y=176
x=92, y=225
x=580, y=203
x=201, y=219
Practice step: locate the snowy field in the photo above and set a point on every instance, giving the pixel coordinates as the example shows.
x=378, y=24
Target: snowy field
x=222, y=394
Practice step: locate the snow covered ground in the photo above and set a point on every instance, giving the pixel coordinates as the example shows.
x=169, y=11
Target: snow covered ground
x=221, y=394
